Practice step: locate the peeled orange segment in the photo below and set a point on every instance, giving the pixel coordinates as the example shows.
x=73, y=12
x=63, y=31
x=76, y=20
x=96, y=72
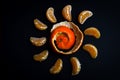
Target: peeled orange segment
x=50, y=15
x=66, y=12
x=57, y=67
x=76, y=66
x=92, y=31
x=39, y=25
x=41, y=56
x=91, y=49
x=84, y=15
x=38, y=41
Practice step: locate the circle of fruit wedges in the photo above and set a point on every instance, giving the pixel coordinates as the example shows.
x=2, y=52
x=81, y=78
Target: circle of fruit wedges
x=40, y=41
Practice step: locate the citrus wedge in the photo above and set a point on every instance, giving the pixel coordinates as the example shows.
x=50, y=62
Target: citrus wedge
x=76, y=66
x=66, y=12
x=91, y=49
x=92, y=31
x=84, y=15
x=38, y=41
x=39, y=25
x=57, y=67
x=41, y=56
x=50, y=15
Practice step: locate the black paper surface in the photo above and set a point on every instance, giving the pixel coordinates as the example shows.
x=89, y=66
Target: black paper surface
x=17, y=51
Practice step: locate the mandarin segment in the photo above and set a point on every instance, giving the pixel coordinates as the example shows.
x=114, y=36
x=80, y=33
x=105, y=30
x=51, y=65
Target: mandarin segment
x=91, y=49
x=38, y=41
x=92, y=31
x=50, y=15
x=76, y=66
x=66, y=12
x=57, y=67
x=84, y=15
x=41, y=56
x=40, y=25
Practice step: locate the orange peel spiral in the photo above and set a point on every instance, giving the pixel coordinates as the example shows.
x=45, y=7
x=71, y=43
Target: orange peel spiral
x=66, y=38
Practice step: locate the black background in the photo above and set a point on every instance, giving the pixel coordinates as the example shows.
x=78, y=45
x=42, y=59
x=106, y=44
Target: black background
x=17, y=51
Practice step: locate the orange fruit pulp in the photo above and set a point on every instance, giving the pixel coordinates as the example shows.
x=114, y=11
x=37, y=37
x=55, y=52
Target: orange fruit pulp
x=65, y=37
